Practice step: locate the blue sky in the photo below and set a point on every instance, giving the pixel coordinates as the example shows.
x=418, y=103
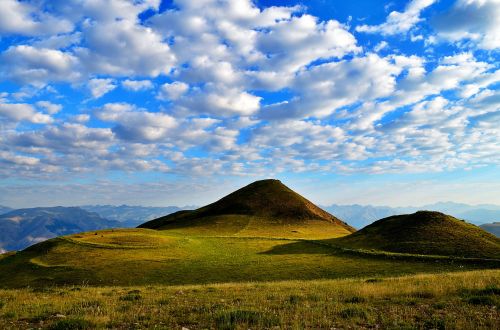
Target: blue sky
x=180, y=102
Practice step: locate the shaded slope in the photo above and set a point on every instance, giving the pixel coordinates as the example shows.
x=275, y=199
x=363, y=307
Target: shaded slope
x=268, y=202
x=425, y=232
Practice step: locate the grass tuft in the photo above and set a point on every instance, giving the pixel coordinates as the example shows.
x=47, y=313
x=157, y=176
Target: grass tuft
x=238, y=318
x=353, y=312
x=72, y=324
x=354, y=300
x=131, y=296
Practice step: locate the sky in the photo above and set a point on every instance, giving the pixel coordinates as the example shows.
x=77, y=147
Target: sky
x=150, y=102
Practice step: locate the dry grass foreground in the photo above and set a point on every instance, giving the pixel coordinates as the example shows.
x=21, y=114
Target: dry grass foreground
x=467, y=300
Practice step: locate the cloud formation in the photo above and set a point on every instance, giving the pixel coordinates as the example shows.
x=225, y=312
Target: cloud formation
x=218, y=87
x=399, y=22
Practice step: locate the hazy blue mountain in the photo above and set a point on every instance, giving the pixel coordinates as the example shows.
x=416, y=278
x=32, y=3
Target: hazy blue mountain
x=5, y=209
x=132, y=216
x=24, y=227
x=359, y=216
x=493, y=228
x=481, y=215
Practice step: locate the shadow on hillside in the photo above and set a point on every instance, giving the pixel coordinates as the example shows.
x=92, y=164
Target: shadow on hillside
x=301, y=247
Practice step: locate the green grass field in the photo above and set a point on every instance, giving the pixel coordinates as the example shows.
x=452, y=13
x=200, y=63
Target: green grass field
x=171, y=257
x=465, y=300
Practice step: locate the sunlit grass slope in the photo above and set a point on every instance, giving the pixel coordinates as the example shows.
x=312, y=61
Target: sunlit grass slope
x=143, y=256
x=263, y=208
x=425, y=232
x=466, y=300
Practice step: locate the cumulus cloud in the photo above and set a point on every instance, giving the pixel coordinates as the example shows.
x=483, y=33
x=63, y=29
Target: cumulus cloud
x=327, y=87
x=49, y=107
x=172, y=91
x=236, y=88
x=133, y=124
x=137, y=85
x=18, y=112
x=29, y=19
x=38, y=66
x=99, y=87
x=399, y=22
x=475, y=20
x=124, y=48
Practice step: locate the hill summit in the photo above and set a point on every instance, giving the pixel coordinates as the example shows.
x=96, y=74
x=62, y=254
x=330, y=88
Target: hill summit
x=425, y=232
x=266, y=199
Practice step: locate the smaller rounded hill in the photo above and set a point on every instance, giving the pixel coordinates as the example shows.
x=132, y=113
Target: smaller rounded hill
x=260, y=206
x=425, y=232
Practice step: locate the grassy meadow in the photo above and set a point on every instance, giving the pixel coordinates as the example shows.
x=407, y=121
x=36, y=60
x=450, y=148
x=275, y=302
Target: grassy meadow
x=465, y=300
x=169, y=257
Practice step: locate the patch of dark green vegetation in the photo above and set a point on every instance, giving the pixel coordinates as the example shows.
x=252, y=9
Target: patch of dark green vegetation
x=434, y=323
x=354, y=300
x=72, y=324
x=353, y=312
x=488, y=296
x=133, y=295
x=238, y=318
x=482, y=300
x=422, y=294
x=374, y=280
x=86, y=307
x=294, y=299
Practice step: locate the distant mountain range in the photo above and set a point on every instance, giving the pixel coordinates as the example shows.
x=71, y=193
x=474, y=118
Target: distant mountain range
x=5, y=209
x=24, y=227
x=360, y=216
x=132, y=216
x=493, y=228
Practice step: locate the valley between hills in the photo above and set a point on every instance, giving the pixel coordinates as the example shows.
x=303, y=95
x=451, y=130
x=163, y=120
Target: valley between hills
x=261, y=257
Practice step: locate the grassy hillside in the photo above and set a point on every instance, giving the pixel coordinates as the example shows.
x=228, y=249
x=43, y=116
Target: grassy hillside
x=267, y=201
x=467, y=300
x=425, y=232
x=143, y=256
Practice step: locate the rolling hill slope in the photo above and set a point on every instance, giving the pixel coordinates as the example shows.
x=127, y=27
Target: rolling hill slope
x=263, y=208
x=425, y=232
x=262, y=232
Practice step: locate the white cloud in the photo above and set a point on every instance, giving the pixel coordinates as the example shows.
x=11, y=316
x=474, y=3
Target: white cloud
x=380, y=46
x=327, y=87
x=18, y=112
x=397, y=22
x=137, y=85
x=221, y=101
x=133, y=124
x=37, y=66
x=292, y=44
x=476, y=20
x=7, y=157
x=99, y=87
x=124, y=48
x=172, y=91
x=51, y=108
x=24, y=18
